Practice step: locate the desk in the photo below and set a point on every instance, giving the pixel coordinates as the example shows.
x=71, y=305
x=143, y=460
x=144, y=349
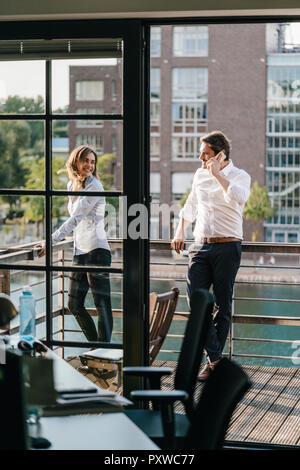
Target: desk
x=106, y=431
x=109, y=431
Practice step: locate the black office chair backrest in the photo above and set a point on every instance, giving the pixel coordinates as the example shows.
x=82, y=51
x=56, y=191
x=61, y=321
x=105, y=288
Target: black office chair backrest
x=201, y=307
x=221, y=393
x=14, y=435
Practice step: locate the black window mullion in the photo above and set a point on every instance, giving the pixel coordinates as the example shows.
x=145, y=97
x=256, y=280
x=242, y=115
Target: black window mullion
x=135, y=289
x=48, y=204
x=62, y=117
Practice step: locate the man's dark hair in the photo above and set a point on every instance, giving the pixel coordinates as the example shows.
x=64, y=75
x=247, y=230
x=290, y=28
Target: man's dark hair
x=217, y=142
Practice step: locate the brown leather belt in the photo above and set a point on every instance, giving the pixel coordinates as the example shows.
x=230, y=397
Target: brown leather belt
x=219, y=240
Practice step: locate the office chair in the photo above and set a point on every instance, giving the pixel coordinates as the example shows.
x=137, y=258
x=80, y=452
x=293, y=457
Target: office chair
x=221, y=393
x=161, y=424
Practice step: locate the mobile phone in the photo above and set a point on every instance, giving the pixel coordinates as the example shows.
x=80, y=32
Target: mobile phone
x=222, y=156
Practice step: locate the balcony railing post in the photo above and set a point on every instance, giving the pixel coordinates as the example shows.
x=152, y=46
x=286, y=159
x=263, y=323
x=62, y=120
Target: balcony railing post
x=5, y=288
x=61, y=303
x=231, y=329
x=5, y=281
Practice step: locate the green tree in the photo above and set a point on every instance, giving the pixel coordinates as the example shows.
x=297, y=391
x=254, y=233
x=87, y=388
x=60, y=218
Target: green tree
x=35, y=205
x=182, y=201
x=258, y=207
x=14, y=137
x=59, y=127
x=16, y=104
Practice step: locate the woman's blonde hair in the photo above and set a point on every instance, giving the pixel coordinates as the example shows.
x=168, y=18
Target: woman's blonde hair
x=74, y=157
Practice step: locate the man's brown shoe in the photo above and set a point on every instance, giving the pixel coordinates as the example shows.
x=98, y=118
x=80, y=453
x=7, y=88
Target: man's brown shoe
x=205, y=373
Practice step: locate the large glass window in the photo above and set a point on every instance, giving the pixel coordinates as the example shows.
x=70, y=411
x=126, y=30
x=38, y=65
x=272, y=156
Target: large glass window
x=33, y=173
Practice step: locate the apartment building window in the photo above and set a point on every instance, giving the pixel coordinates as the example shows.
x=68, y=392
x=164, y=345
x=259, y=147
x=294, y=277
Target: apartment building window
x=190, y=83
x=190, y=41
x=189, y=117
x=90, y=90
x=88, y=122
x=184, y=147
x=154, y=146
x=181, y=184
x=155, y=41
x=113, y=90
x=155, y=82
x=114, y=143
x=91, y=139
x=189, y=111
x=155, y=112
x=155, y=186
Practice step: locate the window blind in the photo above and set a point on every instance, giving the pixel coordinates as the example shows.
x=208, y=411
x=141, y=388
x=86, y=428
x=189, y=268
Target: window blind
x=43, y=49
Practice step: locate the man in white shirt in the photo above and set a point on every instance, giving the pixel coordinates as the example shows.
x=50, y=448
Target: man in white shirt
x=216, y=202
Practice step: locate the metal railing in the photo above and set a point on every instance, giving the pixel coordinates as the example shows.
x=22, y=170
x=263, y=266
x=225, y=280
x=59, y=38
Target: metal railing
x=166, y=266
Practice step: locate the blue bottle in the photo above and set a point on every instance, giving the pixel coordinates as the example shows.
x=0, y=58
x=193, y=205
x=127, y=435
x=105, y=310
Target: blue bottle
x=27, y=312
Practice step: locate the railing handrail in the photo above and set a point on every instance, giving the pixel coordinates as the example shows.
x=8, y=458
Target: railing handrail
x=29, y=250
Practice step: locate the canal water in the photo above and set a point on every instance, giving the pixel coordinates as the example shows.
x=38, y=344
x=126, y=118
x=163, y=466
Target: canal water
x=249, y=307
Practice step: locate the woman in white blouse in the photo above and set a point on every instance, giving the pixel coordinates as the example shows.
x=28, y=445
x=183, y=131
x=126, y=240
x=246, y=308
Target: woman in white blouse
x=91, y=247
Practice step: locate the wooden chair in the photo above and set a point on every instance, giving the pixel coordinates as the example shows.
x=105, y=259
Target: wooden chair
x=104, y=362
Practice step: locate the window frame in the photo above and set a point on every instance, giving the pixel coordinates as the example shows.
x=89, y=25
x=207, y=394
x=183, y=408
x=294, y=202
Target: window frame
x=135, y=178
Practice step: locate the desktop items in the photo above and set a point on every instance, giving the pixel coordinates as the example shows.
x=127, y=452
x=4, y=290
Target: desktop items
x=14, y=432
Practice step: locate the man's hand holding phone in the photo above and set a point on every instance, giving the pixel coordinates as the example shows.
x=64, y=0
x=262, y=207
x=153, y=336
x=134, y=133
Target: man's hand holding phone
x=214, y=164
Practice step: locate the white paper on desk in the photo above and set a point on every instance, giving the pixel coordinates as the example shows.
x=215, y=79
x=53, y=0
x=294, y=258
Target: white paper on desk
x=102, y=396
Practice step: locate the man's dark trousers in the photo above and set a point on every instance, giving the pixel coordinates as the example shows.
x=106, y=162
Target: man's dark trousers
x=215, y=264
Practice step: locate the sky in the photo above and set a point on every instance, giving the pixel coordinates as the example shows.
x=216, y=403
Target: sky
x=27, y=78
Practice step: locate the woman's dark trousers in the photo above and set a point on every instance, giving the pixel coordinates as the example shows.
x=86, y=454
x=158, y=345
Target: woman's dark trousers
x=80, y=283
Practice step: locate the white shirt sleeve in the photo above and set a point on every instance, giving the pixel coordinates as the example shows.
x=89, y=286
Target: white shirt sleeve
x=84, y=206
x=189, y=210
x=238, y=189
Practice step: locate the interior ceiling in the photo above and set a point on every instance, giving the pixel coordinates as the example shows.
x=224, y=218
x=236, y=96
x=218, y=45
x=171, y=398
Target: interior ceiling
x=93, y=9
